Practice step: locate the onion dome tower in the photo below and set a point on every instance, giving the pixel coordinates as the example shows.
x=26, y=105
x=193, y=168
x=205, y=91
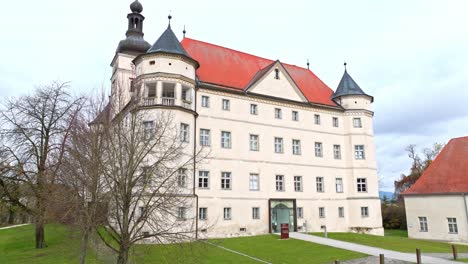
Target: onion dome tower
x=134, y=43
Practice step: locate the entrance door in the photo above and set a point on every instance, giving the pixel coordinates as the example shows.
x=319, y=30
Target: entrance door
x=282, y=212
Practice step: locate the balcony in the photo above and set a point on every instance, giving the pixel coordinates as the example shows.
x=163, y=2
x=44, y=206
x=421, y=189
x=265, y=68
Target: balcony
x=149, y=101
x=168, y=101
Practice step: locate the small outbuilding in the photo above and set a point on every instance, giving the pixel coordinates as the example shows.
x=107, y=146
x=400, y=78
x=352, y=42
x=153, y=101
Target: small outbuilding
x=437, y=204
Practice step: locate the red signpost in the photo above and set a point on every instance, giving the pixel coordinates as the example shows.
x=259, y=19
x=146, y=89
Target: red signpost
x=284, y=231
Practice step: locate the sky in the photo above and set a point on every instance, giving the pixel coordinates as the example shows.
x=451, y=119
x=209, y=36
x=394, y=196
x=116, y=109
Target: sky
x=412, y=56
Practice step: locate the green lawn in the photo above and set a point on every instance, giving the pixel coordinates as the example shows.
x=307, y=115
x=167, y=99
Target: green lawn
x=17, y=246
x=395, y=241
x=463, y=260
x=396, y=232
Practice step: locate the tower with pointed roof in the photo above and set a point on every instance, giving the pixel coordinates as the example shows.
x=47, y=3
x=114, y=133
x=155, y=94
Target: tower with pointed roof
x=349, y=95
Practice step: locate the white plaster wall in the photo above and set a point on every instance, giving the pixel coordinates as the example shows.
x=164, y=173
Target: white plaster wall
x=165, y=64
x=281, y=88
x=436, y=208
x=356, y=102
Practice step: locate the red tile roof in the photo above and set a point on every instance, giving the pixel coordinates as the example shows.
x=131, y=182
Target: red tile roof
x=448, y=173
x=235, y=69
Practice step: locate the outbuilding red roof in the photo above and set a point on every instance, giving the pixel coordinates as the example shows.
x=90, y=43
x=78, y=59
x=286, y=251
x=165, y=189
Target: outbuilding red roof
x=448, y=173
x=235, y=69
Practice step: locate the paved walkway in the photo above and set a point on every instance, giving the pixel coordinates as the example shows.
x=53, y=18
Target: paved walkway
x=373, y=251
x=8, y=227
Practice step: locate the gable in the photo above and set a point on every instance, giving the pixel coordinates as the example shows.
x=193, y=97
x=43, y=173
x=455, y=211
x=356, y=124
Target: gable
x=275, y=81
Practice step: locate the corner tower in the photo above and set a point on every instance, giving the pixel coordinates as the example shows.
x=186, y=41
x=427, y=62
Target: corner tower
x=123, y=70
x=350, y=96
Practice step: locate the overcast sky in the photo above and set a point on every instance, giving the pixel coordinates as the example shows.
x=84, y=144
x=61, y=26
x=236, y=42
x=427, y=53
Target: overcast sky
x=411, y=56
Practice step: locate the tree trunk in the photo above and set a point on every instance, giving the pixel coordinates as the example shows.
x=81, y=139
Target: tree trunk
x=11, y=216
x=40, y=240
x=123, y=255
x=84, y=245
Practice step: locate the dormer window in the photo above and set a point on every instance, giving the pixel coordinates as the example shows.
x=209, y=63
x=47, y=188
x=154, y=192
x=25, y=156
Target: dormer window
x=276, y=74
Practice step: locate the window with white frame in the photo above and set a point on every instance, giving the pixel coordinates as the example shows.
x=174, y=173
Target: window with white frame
x=322, y=212
x=254, y=182
x=255, y=212
x=339, y=185
x=423, y=224
x=359, y=152
x=296, y=147
x=151, y=89
x=336, y=151
x=148, y=128
x=253, y=142
x=295, y=115
x=202, y=213
x=317, y=119
x=298, y=183
x=225, y=139
x=319, y=184
x=253, y=109
x=226, y=104
x=357, y=122
x=205, y=101
x=318, y=149
x=335, y=122
x=361, y=184
x=227, y=214
x=278, y=113
x=182, y=177
x=203, y=179
x=184, y=132
x=226, y=180
x=341, y=212
x=280, y=183
x=181, y=213
x=278, y=145
x=452, y=225
x=205, y=137
x=300, y=212
x=364, y=211
x=186, y=95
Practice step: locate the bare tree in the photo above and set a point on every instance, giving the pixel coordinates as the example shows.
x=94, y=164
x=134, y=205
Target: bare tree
x=147, y=165
x=34, y=132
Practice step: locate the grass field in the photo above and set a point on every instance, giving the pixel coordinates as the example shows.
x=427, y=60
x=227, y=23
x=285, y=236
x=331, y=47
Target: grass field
x=17, y=246
x=395, y=241
x=396, y=232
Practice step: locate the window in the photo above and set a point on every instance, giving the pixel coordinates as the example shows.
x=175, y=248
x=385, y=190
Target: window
x=202, y=213
x=226, y=105
x=295, y=115
x=205, y=137
x=339, y=185
x=205, y=101
x=298, y=183
x=359, y=152
x=254, y=182
x=357, y=122
x=278, y=113
x=186, y=96
x=227, y=213
x=280, y=183
x=184, y=132
x=148, y=127
x=296, y=147
x=452, y=224
x=341, y=212
x=225, y=180
x=168, y=91
x=151, y=87
x=278, y=145
x=322, y=212
x=255, y=212
x=253, y=109
x=422, y=224
x=336, y=151
x=253, y=142
x=335, y=122
x=361, y=185
x=142, y=211
x=318, y=149
x=277, y=74
x=317, y=119
x=182, y=177
x=365, y=211
x=319, y=184
x=225, y=139
x=181, y=213
x=203, y=179
x=152, y=62
x=300, y=212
